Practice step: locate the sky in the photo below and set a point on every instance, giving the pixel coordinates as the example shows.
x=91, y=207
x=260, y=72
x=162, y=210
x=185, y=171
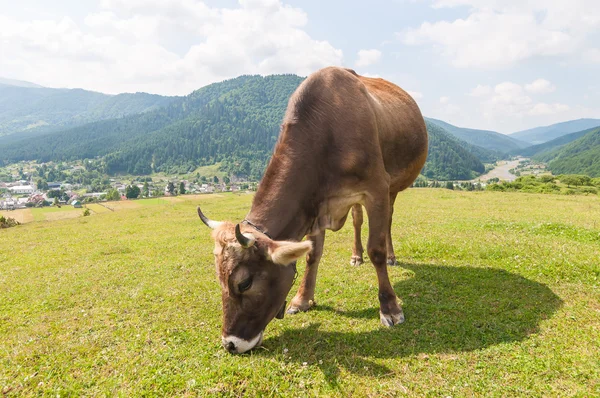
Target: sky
x=502, y=65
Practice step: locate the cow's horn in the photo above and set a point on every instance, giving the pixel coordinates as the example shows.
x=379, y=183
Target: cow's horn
x=209, y=223
x=246, y=240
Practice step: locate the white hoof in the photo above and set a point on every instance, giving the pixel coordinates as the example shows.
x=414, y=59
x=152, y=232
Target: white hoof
x=391, y=320
x=356, y=261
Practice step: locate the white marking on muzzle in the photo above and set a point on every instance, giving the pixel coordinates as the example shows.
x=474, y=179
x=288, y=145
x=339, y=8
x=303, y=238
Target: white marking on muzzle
x=240, y=345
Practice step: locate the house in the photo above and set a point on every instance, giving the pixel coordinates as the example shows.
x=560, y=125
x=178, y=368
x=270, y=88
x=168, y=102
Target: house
x=22, y=189
x=76, y=204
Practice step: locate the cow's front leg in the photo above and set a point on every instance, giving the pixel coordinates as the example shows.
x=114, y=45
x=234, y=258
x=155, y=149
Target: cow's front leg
x=357, y=248
x=391, y=257
x=305, y=298
x=390, y=312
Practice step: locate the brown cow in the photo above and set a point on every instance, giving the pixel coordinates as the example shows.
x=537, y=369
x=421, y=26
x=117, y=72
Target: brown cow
x=346, y=141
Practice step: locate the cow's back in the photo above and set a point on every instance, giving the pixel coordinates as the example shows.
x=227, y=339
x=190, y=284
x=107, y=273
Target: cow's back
x=401, y=130
x=355, y=122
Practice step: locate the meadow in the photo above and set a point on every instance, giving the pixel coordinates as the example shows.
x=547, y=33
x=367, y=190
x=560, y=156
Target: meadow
x=500, y=292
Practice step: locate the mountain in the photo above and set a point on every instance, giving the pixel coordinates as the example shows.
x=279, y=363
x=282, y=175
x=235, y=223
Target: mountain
x=448, y=159
x=26, y=108
x=235, y=122
x=539, y=149
x=543, y=134
x=490, y=140
x=18, y=83
x=581, y=156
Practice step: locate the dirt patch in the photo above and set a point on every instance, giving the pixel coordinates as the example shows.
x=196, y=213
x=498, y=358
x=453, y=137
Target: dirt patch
x=97, y=208
x=64, y=215
x=22, y=215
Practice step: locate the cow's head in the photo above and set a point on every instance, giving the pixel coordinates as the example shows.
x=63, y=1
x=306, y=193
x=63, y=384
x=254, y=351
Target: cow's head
x=256, y=273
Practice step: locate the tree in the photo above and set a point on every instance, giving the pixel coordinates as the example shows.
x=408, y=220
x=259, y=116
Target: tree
x=226, y=180
x=449, y=185
x=113, y=194
x=55, y=203
x=181, y=188
x=132, y=191
x=146, y=190
x=42, y=185
x=171, y=188
x=216, y=179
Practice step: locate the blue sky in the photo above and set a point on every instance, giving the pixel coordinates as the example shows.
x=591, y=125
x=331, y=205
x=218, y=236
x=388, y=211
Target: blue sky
x=503, y=65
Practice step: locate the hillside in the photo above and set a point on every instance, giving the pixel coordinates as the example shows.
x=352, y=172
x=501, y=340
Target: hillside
x=500, y=292
x=18, y=83
x=448, y=159
x=235, y=122
x=491, y=140
x=539, y=149
x=39, y=109
x=543, y=134
x=581, y=156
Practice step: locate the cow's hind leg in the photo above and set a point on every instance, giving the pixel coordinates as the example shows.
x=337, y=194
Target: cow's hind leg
x=305, y=298
x=378, y=211
x=391, y=256
x=357, y=248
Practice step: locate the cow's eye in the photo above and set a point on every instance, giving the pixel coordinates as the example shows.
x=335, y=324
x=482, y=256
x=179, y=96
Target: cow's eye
x=245, y=285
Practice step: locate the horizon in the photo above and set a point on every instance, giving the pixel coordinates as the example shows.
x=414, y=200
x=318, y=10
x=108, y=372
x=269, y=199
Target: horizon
x=446, y=53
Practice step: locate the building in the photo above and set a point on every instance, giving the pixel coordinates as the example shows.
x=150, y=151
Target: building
x=76, y=204
x=22, y=189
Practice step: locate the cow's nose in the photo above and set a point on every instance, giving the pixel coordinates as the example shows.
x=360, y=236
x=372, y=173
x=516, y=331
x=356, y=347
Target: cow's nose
x=230, y=346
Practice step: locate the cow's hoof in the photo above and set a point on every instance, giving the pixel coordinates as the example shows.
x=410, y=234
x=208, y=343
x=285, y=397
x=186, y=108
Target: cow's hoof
x=303, y=307
x=391, y=320
x=356, y=261
x=392, y=261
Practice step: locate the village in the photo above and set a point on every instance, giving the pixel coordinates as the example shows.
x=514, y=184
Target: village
x=27, y=190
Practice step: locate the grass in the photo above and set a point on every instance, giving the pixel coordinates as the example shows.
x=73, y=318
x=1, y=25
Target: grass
x=22, y=215
x=500, y=292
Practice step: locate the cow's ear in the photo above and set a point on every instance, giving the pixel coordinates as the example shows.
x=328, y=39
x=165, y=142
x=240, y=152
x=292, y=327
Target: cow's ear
x=284, y=253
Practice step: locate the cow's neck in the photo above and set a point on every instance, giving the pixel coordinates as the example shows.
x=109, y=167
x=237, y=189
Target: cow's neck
x=285, y=204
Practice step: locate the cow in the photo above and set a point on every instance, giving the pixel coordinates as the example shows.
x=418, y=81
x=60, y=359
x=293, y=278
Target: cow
x=346, y=141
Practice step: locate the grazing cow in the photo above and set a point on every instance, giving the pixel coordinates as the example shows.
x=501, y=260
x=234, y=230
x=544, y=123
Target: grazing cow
x=346, y=141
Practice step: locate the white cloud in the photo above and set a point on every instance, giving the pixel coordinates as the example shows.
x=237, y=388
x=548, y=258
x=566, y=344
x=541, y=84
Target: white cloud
x=480, y=91
x=368, y=57
x=510, y=101
x=444, y=100
x=548, y=109
x=592, y=55
x=540, y=86
x=502, y=33
x=136, y=45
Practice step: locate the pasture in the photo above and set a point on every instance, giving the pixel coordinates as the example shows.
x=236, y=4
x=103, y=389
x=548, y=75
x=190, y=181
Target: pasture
x=500, y=292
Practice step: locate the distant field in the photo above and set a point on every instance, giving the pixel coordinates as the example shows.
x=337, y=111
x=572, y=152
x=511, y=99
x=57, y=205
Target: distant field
x=22, y=215
x=501, y=293
x=97, y=208
x=55, y=213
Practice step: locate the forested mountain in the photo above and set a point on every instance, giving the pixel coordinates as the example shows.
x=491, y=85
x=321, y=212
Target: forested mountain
x=491, y=140
x=540, y=135
x=18, y=83
x=447, y=158
x=27, y=108
x=581, y=156
x=539, y=149
x=235, y=122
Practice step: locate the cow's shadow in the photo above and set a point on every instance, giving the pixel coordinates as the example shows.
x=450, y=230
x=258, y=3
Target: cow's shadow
x=448, y=310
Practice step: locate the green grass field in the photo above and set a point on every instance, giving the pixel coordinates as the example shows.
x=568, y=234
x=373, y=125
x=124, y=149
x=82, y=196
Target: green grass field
x=53, y=213
x=500, y=292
